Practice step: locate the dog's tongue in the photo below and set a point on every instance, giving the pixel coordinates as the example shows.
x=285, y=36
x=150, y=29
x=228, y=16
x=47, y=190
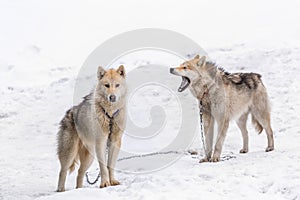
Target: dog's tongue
x=184, y=84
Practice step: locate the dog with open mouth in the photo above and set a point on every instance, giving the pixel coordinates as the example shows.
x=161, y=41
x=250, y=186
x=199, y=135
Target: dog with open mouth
x=224, y=97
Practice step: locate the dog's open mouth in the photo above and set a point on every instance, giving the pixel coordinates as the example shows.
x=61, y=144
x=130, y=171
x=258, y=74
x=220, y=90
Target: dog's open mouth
x=184, y=84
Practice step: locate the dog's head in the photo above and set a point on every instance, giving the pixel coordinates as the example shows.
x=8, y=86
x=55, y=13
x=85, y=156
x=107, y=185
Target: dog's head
x=111, y=83
x=190, y=71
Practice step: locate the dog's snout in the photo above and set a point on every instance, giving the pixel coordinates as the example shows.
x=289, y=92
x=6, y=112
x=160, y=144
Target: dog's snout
x=171, y=70
x=112, y=98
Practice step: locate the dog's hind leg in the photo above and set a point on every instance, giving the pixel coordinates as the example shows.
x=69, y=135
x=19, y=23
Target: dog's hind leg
x=263, y=118
x=260, y=111
x=269, y=132
x=86, y=159
x=62, y=179
x=67, y=153
x=222, y=130
x=208, y=121
x=242, y=124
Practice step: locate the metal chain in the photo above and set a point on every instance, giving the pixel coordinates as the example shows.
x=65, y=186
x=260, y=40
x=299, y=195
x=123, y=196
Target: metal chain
x=202, y=129
x=131, y=157
x=223, y=158
x=150, y=154
x=95, y=181
x=227, y=157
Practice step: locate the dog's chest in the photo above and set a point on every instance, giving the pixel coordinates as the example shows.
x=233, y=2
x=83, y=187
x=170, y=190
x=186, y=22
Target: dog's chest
x=196, y=91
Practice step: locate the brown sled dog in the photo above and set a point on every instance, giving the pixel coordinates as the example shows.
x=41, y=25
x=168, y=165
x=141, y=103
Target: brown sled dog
x=226, y=97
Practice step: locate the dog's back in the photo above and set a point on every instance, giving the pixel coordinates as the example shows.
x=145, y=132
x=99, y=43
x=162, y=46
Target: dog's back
x=251, y=80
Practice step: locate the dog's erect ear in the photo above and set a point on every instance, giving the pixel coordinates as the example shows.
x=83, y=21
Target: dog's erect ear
x=100, y=72
x=202, y=61
x=121, y=70
x=197, y=56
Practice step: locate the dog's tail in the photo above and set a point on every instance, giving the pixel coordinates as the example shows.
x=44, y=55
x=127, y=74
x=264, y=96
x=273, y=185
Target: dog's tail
x=78, y=147
x=258, y=127
x=74, y=163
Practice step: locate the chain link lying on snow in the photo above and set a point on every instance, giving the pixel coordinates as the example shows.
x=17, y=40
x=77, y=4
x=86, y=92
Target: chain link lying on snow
x=150, y=154
x=131, y=157
x=223, y=158
x=88, y=180
x=227, y=157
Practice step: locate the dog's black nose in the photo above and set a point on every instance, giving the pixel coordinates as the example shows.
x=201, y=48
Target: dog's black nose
x=171, y=70
x=112, y=98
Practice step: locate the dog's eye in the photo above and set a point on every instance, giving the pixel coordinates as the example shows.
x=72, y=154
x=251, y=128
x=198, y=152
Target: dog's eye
x=117, y=85
x=184, y=67
x=106, y=85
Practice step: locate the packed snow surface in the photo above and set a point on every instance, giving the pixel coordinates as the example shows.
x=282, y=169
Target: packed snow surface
x=38, y=71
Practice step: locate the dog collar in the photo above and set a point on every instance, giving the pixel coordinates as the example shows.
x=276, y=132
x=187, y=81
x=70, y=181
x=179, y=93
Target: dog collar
x=107, y=115
x=111, y=118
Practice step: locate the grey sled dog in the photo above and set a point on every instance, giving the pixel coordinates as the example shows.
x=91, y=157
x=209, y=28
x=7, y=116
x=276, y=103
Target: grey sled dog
x=223, y=97
x=88, y=128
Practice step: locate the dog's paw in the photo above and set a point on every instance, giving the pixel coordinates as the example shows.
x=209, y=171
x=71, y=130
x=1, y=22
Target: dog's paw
x=60, y=190
x=114, y=182
x=244, y=151
x=203, y=160
x=104, y=184
x=269, y=149
x=215, y=159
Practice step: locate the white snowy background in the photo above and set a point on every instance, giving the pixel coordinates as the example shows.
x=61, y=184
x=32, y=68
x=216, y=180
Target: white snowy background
x=44, y=43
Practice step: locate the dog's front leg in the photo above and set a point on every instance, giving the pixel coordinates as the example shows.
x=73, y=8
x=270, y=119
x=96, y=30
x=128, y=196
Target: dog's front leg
x=101, y=144
x=113, y=152
x=208, y=121
x=222, y=130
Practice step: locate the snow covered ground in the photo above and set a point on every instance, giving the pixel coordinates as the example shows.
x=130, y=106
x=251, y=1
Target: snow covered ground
x=42, y=49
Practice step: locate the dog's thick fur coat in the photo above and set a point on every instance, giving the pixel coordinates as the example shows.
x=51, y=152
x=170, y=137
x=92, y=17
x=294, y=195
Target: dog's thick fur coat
x=223, y=97
x=87, y=128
